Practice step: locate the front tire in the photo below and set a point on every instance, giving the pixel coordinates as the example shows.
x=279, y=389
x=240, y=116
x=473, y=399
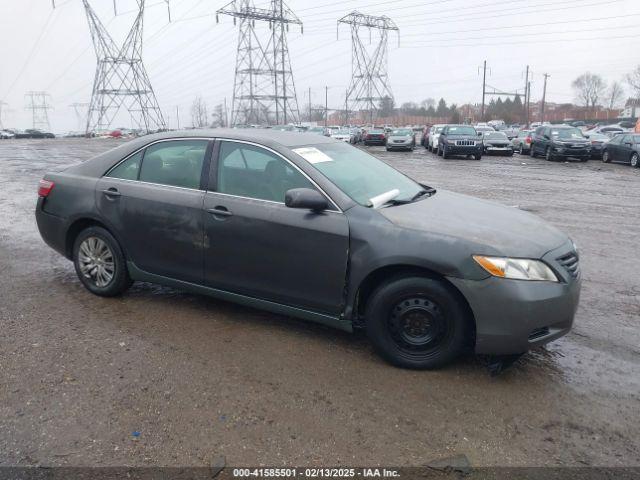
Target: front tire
x=445, y=155
x=100, y=263
x=605, y=157
x=548, y=155
x=532, y=151
x=635, y=160
x=416, y=322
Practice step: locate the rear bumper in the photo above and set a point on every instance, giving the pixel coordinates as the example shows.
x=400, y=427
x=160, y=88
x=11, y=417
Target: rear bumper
x=52, y=228
x=375, y=141
x=513, y=316
x=399, y=146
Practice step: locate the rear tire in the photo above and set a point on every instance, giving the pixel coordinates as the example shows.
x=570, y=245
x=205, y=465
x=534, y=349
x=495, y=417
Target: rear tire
x=416, y=322
x=100, y=263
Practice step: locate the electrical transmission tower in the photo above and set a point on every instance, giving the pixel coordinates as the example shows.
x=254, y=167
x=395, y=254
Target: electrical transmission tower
x=38, y=103
x=369, y=79
x=80, y=110
x=121, y=80
x=2, y=104
x=263, y=91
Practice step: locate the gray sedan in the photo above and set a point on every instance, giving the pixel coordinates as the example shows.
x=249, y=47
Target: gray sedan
x=401, y=139
x=306, y=226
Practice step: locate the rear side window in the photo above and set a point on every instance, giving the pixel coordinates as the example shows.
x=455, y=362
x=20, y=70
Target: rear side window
x=128, y=169
x=249, y=171
x=177, y=163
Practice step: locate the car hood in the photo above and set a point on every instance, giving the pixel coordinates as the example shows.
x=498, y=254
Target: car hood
x=493, y=229
x=400, y=137
x=494, y=141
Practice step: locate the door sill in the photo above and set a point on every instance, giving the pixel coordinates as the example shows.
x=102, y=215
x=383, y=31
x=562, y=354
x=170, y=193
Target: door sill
x=324, y=319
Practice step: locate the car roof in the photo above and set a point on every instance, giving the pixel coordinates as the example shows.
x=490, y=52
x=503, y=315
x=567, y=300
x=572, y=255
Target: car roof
x=275, y=139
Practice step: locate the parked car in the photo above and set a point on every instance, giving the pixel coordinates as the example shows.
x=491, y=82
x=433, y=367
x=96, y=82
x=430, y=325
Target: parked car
x=483, y=129
x=425, y=135
x=318, y=131
x=609, y=130
x=432, y=139
x=34, y=133
x=598, y=141
x=560, y=141
x=497, y=142
x=306, y=226
x=357, y=134
x=623, y=148
x=460, y=140
x=401, y=139
x=522, y=143
x=375, y=136
x=344, y=135
x=6, y=134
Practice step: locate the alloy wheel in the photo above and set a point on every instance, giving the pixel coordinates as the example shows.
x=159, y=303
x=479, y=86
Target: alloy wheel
x=635, y=160
x=96, y=261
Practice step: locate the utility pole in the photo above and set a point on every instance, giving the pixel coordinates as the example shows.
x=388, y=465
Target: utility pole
x=528, y=101
x=369, y=79
x=544, y=96
x=484, y=88
x=263, y=85
x=226, y=115
x=526, y=92
x=326, y=105
x=346, y=108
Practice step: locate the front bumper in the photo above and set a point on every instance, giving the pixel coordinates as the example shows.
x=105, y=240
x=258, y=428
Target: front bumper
x=399, y=146
x=513, y=316
x=464, y=149
x=498, y=150
x=571, y=152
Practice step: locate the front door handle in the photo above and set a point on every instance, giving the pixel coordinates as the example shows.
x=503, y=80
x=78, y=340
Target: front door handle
x=111, y=192
x=220, y=211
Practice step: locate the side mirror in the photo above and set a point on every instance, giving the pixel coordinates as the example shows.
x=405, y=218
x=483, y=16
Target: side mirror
x=305, y=198
x=547, y=137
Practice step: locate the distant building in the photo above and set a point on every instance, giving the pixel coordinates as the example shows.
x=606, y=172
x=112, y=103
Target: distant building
x=631, y=108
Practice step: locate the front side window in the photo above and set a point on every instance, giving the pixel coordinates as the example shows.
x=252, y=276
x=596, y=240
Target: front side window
x=177, y=163
x=249, y=171
x=128, y=169
x=360, y=175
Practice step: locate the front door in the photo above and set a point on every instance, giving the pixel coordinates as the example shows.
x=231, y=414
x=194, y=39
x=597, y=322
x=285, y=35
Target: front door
x=153, y=201
x=256, y=246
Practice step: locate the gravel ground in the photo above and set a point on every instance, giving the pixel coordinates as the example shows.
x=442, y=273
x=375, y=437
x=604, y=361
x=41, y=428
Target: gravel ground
x=197, y=379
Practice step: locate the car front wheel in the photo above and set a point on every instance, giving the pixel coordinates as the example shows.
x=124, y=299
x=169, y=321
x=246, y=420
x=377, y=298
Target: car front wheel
x=605, y=157
x=100, y=263
x=416, y=322
x=635, y=160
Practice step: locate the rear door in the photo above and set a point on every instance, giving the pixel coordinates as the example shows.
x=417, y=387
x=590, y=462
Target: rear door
x=256, y=246
x=613, y=148
x=625, y=149
x=153, y=200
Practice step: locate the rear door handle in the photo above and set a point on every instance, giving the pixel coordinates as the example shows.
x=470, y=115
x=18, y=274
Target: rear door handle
x=111, y=192
x=220, y=211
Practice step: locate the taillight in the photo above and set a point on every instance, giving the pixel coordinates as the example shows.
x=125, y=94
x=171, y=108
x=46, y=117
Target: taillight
x=45, y=187
x=528, y=139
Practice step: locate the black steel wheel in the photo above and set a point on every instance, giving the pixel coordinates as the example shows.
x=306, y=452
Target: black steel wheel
x=416, y=322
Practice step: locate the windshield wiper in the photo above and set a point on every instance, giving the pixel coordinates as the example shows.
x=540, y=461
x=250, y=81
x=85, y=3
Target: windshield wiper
x=425, y=191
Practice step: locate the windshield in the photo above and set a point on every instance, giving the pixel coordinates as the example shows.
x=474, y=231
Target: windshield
x=356, y=173
x=377, y=131
x=567, y=133
x=342, y=132
x=495, y=135
x=401, y=131
x=461, y=130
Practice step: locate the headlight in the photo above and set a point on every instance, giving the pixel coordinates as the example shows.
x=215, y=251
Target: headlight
x=451, y=142
x=516, y=268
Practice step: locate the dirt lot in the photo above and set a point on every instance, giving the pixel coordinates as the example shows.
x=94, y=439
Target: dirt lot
x=197, y=378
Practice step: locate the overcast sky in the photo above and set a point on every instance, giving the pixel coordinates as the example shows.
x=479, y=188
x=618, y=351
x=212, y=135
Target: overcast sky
x=442, y=44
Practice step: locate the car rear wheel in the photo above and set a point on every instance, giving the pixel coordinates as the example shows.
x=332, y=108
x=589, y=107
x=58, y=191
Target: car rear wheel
x=416, y=322
x=100, y=263
x=605, y=157
x=635, y=160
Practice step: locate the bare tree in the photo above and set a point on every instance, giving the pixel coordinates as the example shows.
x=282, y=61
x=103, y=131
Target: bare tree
x=199, y=116
x=589, y=88
x=615, y=94
x=633, y=79
x=428, y=102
